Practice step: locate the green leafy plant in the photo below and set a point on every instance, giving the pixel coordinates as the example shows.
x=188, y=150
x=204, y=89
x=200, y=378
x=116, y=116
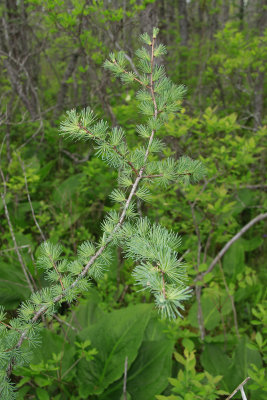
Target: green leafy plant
x=190, y=384
x=152, y=247
x=88, y=363
x=55, y=373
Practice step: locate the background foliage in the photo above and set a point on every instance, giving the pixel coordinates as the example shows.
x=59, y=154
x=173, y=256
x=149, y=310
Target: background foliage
x=51, y=58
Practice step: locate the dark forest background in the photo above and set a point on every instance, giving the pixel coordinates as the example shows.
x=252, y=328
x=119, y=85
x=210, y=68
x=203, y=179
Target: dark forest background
x=51, y=57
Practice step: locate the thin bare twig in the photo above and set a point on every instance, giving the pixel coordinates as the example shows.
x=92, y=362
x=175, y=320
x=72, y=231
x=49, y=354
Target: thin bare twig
x=183, y=255
x=24, y=269
x=200, y=318
x=29, y=198
x=243, y=394
x=123, y=293
x=126, y=55
x=125, y=379
x=198, y=289
x=204, y=188
x=199, y=247
x=259, y=186
x=75, y=158
x=239, y=387
x=25, y=246
x=259, y=217
x=23, y=266
x=207, y=245
x=39, y=129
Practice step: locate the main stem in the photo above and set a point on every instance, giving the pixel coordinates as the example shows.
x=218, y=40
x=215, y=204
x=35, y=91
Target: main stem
x=43, y=309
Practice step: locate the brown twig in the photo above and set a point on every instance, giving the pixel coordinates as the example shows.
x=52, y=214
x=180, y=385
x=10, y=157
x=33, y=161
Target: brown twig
x=126, y=287
x=6, y=325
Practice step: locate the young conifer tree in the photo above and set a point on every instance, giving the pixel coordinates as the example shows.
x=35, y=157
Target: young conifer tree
x=151, y=246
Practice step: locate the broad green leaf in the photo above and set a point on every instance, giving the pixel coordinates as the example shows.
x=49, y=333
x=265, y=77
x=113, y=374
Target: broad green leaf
x=188, y=344
x=40, y=381
x=44, y=171
x=216, y=362
x=42, y=394
x=22, y=392
x=210, y=304
x=252, y=243
x=64, y=192
x=243, y=357
x=86, y=313
x=156, y=328
x=115, y=336
x=24, y=380
x=234, y=370
x=234, y=259
x=13, y=286
x=149, y=373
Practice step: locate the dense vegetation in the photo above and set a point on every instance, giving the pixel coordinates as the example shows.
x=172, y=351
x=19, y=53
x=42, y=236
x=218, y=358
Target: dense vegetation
x=110, y=342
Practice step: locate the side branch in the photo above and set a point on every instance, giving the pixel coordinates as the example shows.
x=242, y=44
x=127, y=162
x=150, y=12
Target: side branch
x=160, y=175
x=113, y=147
x=135, y=79
x=260, y=217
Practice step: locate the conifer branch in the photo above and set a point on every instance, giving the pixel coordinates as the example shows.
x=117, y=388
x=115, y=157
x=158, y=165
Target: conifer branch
x=58, y=298
x=161, y=175
x=114, y=147
x=57, y=272
x=6, y=325
x=150, y=245
x=128, y=73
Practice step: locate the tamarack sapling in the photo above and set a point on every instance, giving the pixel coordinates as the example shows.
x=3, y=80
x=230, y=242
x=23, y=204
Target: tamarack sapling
x=152, y=247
